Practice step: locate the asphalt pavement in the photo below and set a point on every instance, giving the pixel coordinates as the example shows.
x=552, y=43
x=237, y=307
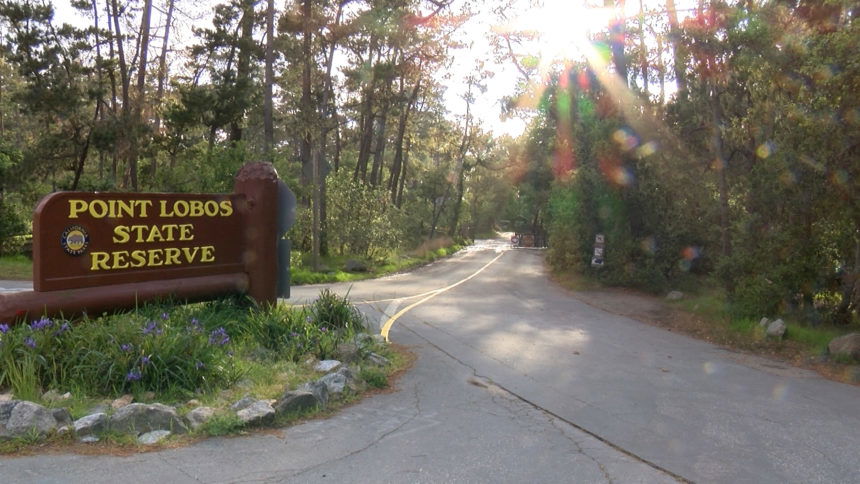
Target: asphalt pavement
x=516, y=381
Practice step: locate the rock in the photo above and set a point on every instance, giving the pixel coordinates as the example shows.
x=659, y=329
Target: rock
x=19, y=418
x=91, y=425
x=674, y=295
x=138, y=418
x=340, y=380
x=242, y=404
x=64, y=430
x=296, y=401
x=193, y=403
x=326, y=366
x=199, y=416
x=348, y=352
x=378, y=360
x=776, y=328
x=763, y=322
x=5, y=397
x=318, y=389
x=122, y=401
x=353, y=265
x=847, y=346
x=62, y=416
x=104, y=408
x=258, y=413
x=153, y=437
x=55, y=396
x=89, y=439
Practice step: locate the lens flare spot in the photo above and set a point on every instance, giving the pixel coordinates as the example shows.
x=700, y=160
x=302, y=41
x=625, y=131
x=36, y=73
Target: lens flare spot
x=709, y=368
x=622, y=176
x=647, y=149
x=788, y=178
x=764, y=150
x=625, y=139
x=691, y=252
x=839, y=178
x=649, y=245
x=780, y=390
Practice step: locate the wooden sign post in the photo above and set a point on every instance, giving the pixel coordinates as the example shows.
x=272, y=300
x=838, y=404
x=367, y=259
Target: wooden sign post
x=94, y=252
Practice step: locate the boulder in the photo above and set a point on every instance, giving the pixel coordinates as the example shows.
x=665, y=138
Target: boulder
x=55, y=396
x=91, y=425
x=353, y=265
x=763, y=322
x=378, y=360
x=139, y=418
x=242, y=404
x=5, y=397
x=296, y=401
x=847, y=346
x=62, y=415
x=199, y=416
x=153, y=437
x=326, y=366
x=122, y=401
x=348, y=352
x=318, y=389
x=19, y=418
x=336, y=382
x=258, y=413
x=776, y=328
x=675, y=295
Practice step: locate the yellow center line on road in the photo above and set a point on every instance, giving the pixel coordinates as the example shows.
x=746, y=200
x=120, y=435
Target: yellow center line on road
x=430, y=295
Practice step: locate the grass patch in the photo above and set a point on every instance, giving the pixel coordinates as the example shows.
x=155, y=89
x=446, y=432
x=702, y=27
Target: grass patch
x=16, y=267
x=301, y=272
x=374, y=377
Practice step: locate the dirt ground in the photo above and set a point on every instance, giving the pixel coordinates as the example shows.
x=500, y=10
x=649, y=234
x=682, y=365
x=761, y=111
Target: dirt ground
x=786, y=358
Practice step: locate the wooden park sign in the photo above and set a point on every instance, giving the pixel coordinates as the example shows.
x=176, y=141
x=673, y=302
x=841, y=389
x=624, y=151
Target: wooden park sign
x=94, y=252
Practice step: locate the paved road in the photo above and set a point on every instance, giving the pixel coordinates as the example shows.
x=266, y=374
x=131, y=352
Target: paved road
x=518, y=382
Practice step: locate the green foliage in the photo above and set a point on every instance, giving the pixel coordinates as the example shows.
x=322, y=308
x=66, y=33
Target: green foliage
x=374, y=377
x=361, y=219
x=222, y=424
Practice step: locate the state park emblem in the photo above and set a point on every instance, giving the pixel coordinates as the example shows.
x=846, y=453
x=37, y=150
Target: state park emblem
x=75, y=240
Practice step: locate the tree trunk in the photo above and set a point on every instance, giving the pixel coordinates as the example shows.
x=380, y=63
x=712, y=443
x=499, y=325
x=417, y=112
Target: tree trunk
x=243, y=65
x=643, y=51
x=121, y=143
x=162, y=76
x=379, y=148
x=367, y=117
x=396, y=165
x=680, y=51
x=617, y=34
x=268, y=108
x=137, y=121
x=399, y=200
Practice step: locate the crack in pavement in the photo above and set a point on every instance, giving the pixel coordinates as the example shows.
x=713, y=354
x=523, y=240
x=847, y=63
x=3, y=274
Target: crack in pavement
x=374, y=442
x=605, y=441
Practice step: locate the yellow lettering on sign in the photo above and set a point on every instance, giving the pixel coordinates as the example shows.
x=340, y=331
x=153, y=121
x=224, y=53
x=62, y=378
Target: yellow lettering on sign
x=123, y=259
x=120, y=234
x=185, y=232
x=171, y=256
x=226, y=208
x=99, y=261
x=109, y=208
x=76, y=207
x=207, y=253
